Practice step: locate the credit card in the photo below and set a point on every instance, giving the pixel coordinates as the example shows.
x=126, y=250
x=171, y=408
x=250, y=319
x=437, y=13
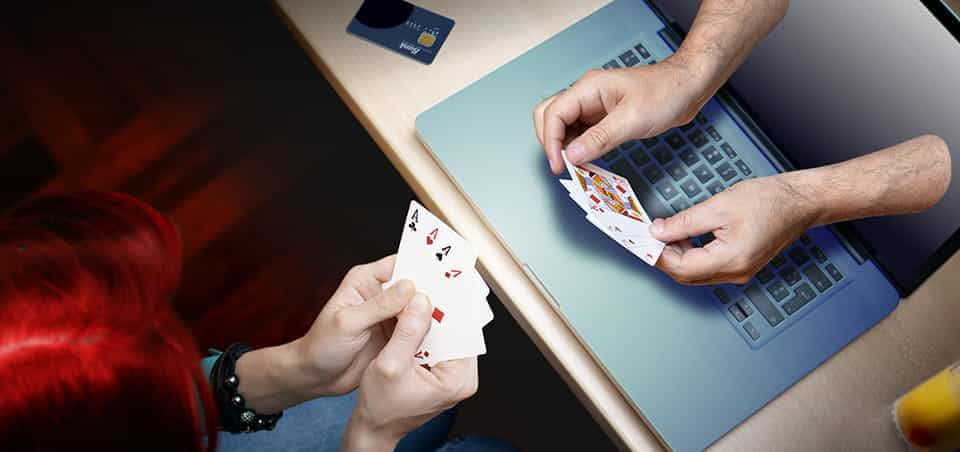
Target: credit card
x=403, y=27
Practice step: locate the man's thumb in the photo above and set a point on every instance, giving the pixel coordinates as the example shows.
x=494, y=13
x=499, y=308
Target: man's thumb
x=599, y=139
x=688, y=223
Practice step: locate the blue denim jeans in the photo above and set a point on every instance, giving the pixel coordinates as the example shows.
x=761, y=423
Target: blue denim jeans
x=318, y=425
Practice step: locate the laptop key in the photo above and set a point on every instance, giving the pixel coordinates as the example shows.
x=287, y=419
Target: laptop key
x=677, y=171
x=778, y=261
x=727, y=149
x=805, y=291
x=794, y=304
x=726, y=171
x=744, y=168
x=819, y=280
x=715, y=187
x=703, y=174
x=689, y=157
x=737, y=312
x=650, y=142
x=778, y=290
x=654, y=173
x=611, y=156
x=612, y=64
x=834, y=272
x=675, y=140
x=629, y=58
x=663, y=154
x=645, y=195
x=639, y=157
x=627, y=145
x=765, y=275
x=799, y=256
x=751, y=330
x=698, y=138
x=721, y=295
x=690, y=188
x=804, y=294
x=700, y=199
x=686, y=127
x=714, y=134
x=818, y=254
x=644, y=53
x=763, y=304
x=668, y=190
x=712, y=155
x=680, y=204
x=791, y=276
x=805, y=239
x=745, y=307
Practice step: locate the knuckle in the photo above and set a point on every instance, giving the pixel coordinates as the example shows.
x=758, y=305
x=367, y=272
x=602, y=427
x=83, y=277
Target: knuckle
x=354, y=272
x=388, y=369
x=470, y=390
x=340, y=321
x=592, y=74
x=740, y=266
x=599, y=134
x=451, y=389
x=405, y=330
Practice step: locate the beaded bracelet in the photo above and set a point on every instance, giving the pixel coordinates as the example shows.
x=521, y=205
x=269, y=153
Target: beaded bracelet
x=234, y=416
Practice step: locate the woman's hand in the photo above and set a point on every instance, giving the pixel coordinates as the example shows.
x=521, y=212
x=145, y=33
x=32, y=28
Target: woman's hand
x=331, y=357
x=397, y=395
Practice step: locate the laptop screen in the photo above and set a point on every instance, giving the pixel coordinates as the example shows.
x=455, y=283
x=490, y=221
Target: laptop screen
x=840, y=79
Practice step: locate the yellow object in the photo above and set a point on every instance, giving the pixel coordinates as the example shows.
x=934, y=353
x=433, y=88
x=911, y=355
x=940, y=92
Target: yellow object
x=929, y=415
x=427, y=39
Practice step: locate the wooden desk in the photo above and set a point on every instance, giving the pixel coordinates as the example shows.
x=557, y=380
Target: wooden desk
x=844, y=404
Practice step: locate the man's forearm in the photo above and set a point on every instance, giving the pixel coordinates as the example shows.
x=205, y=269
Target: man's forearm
x=909, y=177
x=723, y=35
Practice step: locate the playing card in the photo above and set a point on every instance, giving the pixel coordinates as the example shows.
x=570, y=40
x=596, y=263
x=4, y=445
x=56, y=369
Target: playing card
x=441, y=265
x=611, y=206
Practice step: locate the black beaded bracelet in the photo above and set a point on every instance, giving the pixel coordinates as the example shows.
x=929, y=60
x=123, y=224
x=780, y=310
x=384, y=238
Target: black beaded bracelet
x=234, y=416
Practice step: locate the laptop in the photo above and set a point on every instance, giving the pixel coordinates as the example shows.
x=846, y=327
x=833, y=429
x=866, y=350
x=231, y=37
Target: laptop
x=696, y=361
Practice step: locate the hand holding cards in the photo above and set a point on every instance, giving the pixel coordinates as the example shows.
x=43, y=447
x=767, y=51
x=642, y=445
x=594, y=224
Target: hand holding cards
x=612, y=206
x=440, y=263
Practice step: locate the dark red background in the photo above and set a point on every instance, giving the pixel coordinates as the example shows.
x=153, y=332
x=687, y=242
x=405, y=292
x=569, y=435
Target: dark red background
x=212, y=112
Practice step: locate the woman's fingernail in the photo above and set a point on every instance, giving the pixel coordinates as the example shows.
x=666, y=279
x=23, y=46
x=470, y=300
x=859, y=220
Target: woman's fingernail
x=419, y=303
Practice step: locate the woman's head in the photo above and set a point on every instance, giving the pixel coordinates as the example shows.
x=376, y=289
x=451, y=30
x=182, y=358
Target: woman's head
x=91, y=352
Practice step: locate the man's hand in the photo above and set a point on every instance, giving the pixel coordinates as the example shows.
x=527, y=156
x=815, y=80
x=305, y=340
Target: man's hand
x=755, y=219
x=607, y=107
x=752, y=222
x=397, y=395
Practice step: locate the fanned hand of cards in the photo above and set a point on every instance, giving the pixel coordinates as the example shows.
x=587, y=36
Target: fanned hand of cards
x=612, y=206
x=440, y=263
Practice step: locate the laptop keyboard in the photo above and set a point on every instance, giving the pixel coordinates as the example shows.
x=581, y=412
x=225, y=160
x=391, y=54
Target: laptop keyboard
x=686, y=165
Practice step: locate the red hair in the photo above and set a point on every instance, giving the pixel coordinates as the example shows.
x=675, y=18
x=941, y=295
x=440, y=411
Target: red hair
x=91, y=352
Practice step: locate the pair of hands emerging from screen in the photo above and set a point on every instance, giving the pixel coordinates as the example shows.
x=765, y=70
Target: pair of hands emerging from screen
x=755, y=219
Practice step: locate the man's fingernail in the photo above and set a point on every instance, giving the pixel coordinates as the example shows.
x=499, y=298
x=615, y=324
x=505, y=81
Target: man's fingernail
x=419, y=304
x=576, y=152
x=657, y=227
x=405, y=288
